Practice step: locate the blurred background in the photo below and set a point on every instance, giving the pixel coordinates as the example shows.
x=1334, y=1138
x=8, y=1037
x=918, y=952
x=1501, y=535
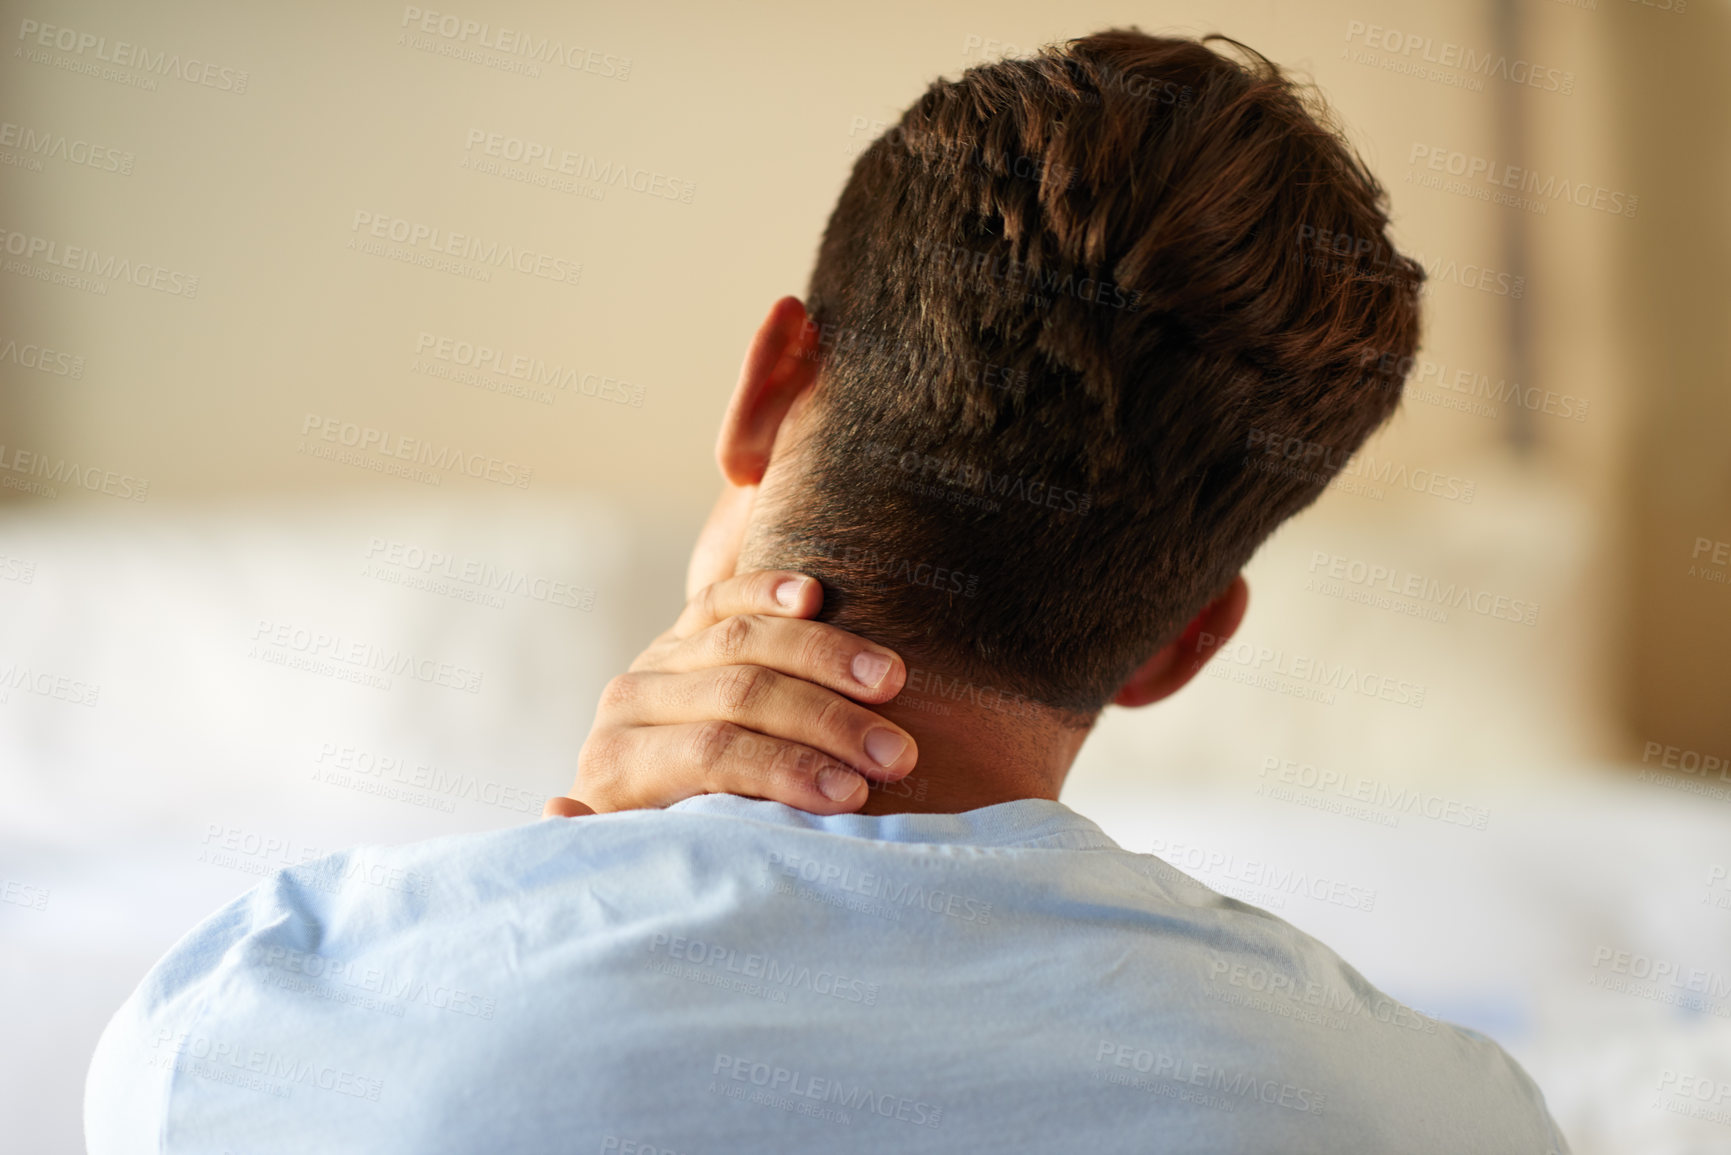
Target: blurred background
x=359, y=372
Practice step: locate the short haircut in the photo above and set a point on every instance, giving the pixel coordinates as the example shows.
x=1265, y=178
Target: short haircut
x=1061, y=308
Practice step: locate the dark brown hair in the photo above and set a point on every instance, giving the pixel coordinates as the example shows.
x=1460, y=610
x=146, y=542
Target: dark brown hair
x=1063, y=307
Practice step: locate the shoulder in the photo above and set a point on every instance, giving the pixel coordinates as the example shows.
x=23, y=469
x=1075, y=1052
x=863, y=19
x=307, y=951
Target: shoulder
x=1377, y=1063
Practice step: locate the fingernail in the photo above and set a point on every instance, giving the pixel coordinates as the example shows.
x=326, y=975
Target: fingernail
x=869, y=668
x=885, y=746
x=837, y=783
x=787, y=593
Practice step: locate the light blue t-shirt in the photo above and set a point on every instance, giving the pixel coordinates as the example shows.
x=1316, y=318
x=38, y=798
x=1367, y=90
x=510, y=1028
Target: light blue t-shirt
x=731, y=975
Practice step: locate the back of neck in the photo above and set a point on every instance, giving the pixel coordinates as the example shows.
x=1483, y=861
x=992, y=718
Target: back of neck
x=971, y=757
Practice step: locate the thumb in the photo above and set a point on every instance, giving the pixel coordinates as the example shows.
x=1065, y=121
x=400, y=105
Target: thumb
x=560, y=806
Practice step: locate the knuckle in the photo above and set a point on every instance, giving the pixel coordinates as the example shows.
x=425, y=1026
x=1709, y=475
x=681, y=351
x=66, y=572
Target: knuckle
x=741, y=687
x=711, y=742
x=598, y=769
x=731, y=637
x=803, y=762
x=619, y=692
x=818, y=653
x=836, y=716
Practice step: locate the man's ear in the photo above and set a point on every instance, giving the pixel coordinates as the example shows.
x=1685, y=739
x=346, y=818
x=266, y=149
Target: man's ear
x=1175, y=663
x=779, y=366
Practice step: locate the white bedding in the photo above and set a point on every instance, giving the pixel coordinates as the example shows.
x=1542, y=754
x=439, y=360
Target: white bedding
x=203, y=762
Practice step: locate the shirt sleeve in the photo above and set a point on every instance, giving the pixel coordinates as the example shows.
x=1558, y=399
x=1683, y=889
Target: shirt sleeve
x=141, y=1055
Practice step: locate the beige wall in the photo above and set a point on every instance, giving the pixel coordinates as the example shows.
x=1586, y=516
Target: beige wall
x=1673, y=298
x=256, y=193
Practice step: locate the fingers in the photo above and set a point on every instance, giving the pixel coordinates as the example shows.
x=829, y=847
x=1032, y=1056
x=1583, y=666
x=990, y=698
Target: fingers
x=746, y=695
x=779, y=593
x=656, y=767
x=812, y=651
x=560, y=806
x=761, y=700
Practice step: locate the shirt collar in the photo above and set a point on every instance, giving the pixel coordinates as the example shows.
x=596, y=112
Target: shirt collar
x=1037, y=823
